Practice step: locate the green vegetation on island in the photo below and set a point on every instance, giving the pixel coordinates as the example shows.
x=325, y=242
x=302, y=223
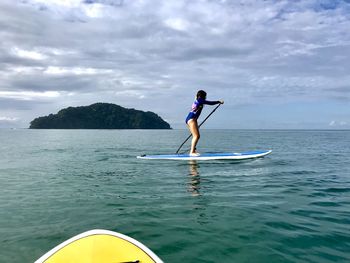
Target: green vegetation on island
x=100, y=116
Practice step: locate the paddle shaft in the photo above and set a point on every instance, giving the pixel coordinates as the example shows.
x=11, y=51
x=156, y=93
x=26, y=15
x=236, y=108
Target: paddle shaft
x=198, y=127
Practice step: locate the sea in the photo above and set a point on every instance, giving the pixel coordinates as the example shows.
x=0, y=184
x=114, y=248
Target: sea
x=290, y=206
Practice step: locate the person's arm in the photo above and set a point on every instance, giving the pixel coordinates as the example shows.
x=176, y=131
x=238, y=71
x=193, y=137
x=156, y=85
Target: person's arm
x=208, y=102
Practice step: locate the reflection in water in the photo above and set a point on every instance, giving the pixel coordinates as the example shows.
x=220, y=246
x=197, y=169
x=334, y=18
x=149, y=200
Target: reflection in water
x=194, y=185
x=199, y=205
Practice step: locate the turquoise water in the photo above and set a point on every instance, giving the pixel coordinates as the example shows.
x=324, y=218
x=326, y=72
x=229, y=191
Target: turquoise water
x=292, y=206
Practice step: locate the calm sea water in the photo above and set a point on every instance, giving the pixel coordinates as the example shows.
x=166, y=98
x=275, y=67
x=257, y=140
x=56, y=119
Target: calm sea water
x=292, y=206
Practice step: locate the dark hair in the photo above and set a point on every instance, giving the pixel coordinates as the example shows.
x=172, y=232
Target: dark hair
x=201, y=94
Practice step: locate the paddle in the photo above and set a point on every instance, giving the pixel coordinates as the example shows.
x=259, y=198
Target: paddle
x=198, y=127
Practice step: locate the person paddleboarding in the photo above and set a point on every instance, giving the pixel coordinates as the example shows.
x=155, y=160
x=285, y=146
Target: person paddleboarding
x=192, y=117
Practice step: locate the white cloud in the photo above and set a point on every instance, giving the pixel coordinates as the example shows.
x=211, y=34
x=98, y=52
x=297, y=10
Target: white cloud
x=23, y=70
x=8, y=119
x=63, y=3
x=130, y=93
x=28, y=54
x=338, y=123
x=94, y=11
x=28, y=95
x=53, y=70
x=177, y=24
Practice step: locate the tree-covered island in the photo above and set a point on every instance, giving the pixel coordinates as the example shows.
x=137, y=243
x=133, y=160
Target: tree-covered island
x=100, y=116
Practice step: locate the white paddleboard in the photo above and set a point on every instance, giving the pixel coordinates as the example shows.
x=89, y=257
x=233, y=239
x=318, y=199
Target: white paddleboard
x=208, y=156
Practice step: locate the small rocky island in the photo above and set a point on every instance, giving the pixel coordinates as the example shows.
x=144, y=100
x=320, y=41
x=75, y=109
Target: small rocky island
x=100, y=116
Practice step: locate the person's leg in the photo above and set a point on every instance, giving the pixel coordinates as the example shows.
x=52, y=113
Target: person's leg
x=193, y=126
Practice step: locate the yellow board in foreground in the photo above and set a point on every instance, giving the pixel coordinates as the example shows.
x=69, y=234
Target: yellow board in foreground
x=100, y=246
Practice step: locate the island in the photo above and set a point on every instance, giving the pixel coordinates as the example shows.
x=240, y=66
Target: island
x=100, y=116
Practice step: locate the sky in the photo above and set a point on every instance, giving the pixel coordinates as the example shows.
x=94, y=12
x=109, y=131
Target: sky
x=276, y=64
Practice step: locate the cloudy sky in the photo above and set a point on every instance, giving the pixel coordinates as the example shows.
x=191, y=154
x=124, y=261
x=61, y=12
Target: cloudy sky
x=277, y=64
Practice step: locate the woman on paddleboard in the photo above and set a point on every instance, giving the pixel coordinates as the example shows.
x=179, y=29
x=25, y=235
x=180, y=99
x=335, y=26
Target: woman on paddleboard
x=192, y=118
